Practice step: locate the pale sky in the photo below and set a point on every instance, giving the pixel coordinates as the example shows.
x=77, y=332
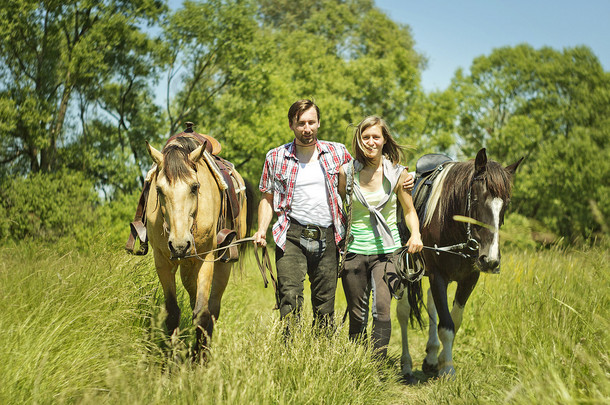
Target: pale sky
x=451, y=33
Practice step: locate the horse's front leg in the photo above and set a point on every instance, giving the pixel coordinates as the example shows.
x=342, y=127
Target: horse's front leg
x=430, y=364
x=403, y=310
x=166, y=270
x=462, y=293
x=446, y=328
x=222, y=273
x=197, y=280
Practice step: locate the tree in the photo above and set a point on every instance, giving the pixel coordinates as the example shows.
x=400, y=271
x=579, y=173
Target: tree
x=55, y=54
x=551, y=107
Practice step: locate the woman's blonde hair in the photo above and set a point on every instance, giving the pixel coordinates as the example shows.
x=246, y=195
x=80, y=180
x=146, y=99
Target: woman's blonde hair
x=391, y=150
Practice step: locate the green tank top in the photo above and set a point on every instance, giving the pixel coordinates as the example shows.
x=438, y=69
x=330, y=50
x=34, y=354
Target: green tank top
x=365, y=241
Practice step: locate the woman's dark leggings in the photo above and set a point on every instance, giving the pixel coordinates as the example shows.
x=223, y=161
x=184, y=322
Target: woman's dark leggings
x=363, y=275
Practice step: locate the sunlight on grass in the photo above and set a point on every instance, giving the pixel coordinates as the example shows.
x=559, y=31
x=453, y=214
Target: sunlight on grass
x=87, y=327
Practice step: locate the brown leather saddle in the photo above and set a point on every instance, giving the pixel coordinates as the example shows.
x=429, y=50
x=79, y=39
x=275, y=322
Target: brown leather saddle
x=230, y=202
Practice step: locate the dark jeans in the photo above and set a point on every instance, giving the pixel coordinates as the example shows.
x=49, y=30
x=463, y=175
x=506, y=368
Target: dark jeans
x=367, y=275
x=316, y=258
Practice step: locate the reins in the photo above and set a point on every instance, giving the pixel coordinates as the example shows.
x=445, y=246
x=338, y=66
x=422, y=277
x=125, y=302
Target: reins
x=263, y=261
x=470, y=248
x=223, y=248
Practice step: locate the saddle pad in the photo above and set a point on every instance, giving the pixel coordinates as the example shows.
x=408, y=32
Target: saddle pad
x=423, y=188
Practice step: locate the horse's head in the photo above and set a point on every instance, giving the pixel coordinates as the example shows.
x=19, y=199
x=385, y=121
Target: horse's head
x=490, y=191
x=177, y=188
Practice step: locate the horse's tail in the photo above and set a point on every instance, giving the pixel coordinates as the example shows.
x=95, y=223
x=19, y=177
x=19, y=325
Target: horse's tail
x=251, y=205
x=415, y=299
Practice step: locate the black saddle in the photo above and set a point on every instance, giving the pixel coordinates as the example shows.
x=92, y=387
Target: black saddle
x=426, y=170
x=429, y=162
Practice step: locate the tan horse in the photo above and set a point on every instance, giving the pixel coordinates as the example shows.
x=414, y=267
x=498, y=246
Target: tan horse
x=184, y=210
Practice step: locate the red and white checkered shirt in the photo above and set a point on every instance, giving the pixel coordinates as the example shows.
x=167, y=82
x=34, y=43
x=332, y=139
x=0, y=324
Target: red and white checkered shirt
x=280, y=175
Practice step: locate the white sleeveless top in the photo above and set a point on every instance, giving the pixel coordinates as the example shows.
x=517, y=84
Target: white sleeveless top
x=310, y=199
x=366, y=240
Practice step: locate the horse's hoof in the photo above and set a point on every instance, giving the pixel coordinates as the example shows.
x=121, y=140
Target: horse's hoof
x=428, y=368
x=409, y=379
x=447, y=372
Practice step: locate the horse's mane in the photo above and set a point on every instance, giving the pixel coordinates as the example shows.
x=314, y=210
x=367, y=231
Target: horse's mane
x=450, y=189
x=176, y=163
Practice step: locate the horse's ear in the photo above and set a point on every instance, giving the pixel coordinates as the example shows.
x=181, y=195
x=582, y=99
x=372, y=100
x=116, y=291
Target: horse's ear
x=513, y=168
x=480, y=163
x=156, y=156
x=195, y=155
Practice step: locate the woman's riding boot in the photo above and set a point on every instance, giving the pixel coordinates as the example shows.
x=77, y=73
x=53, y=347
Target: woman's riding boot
x=381, y=333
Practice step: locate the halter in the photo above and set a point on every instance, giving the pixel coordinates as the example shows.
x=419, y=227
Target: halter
x=471, y=243
x=194, y=215
x=470, y=248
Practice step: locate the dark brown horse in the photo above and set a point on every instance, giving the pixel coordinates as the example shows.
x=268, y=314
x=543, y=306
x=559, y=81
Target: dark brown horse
x=479, y=190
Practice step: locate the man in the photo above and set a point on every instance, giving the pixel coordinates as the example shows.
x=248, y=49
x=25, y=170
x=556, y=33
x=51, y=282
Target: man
x=299, y=184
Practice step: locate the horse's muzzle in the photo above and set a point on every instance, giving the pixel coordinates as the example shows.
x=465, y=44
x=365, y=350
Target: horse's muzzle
x=487, y=265
x=179, y=250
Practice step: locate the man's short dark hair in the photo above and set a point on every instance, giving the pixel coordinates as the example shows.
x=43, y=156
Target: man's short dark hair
x=298, y=108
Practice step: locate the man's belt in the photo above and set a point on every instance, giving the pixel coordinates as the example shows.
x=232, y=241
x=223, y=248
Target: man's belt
x=312, y=232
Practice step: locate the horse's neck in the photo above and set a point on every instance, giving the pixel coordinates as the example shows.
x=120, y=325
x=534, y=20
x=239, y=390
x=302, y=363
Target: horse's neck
x=435, y=200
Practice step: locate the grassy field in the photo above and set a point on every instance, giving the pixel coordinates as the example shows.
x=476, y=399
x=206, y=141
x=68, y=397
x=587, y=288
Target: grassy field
x=86, y=327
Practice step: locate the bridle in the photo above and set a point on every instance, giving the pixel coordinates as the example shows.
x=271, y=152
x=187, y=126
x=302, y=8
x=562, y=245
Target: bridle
x=470, y=248
x=263, y=261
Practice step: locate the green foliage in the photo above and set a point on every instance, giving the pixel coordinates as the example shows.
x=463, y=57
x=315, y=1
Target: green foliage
x=47, y=206
x=113, y=217
x=76, y=92
x=347, y=56
x=58, y=58
x=517, y=232
x=552, y=108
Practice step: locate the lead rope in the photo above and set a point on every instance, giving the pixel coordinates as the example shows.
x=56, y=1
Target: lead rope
x=349, y=190
x=264, y=262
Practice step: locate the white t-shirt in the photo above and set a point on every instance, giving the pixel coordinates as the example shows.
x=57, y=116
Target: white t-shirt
x=310, y=198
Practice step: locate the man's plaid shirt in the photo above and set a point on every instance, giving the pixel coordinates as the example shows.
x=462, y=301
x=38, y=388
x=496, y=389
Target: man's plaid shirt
x=280, y=175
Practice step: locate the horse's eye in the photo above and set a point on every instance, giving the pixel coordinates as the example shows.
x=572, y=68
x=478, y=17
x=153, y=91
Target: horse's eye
x=159, y=191
x=195, y=188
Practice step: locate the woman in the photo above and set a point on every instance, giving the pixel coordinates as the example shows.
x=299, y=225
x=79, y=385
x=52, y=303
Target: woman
x=377, y=179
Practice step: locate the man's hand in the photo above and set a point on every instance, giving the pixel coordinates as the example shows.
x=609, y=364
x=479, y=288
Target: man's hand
x=409, y=182
x=260, y=239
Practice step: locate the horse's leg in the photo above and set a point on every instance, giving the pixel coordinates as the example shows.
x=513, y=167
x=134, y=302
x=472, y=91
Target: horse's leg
x=197, y=280
x=403, y=309
x=222, y=272
x=167, y=277
x=462, y=293
x=446, y=329
x=430, y=365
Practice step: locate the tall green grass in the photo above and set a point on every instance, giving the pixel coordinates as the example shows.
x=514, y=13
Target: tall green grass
x=86, y=327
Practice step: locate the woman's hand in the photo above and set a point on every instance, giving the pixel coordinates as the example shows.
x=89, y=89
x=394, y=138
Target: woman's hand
x=415, y=244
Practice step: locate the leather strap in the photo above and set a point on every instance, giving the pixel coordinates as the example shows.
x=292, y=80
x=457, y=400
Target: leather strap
x=225, y=170
x=225, y=238
x=264, y=263
x=138, y=225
